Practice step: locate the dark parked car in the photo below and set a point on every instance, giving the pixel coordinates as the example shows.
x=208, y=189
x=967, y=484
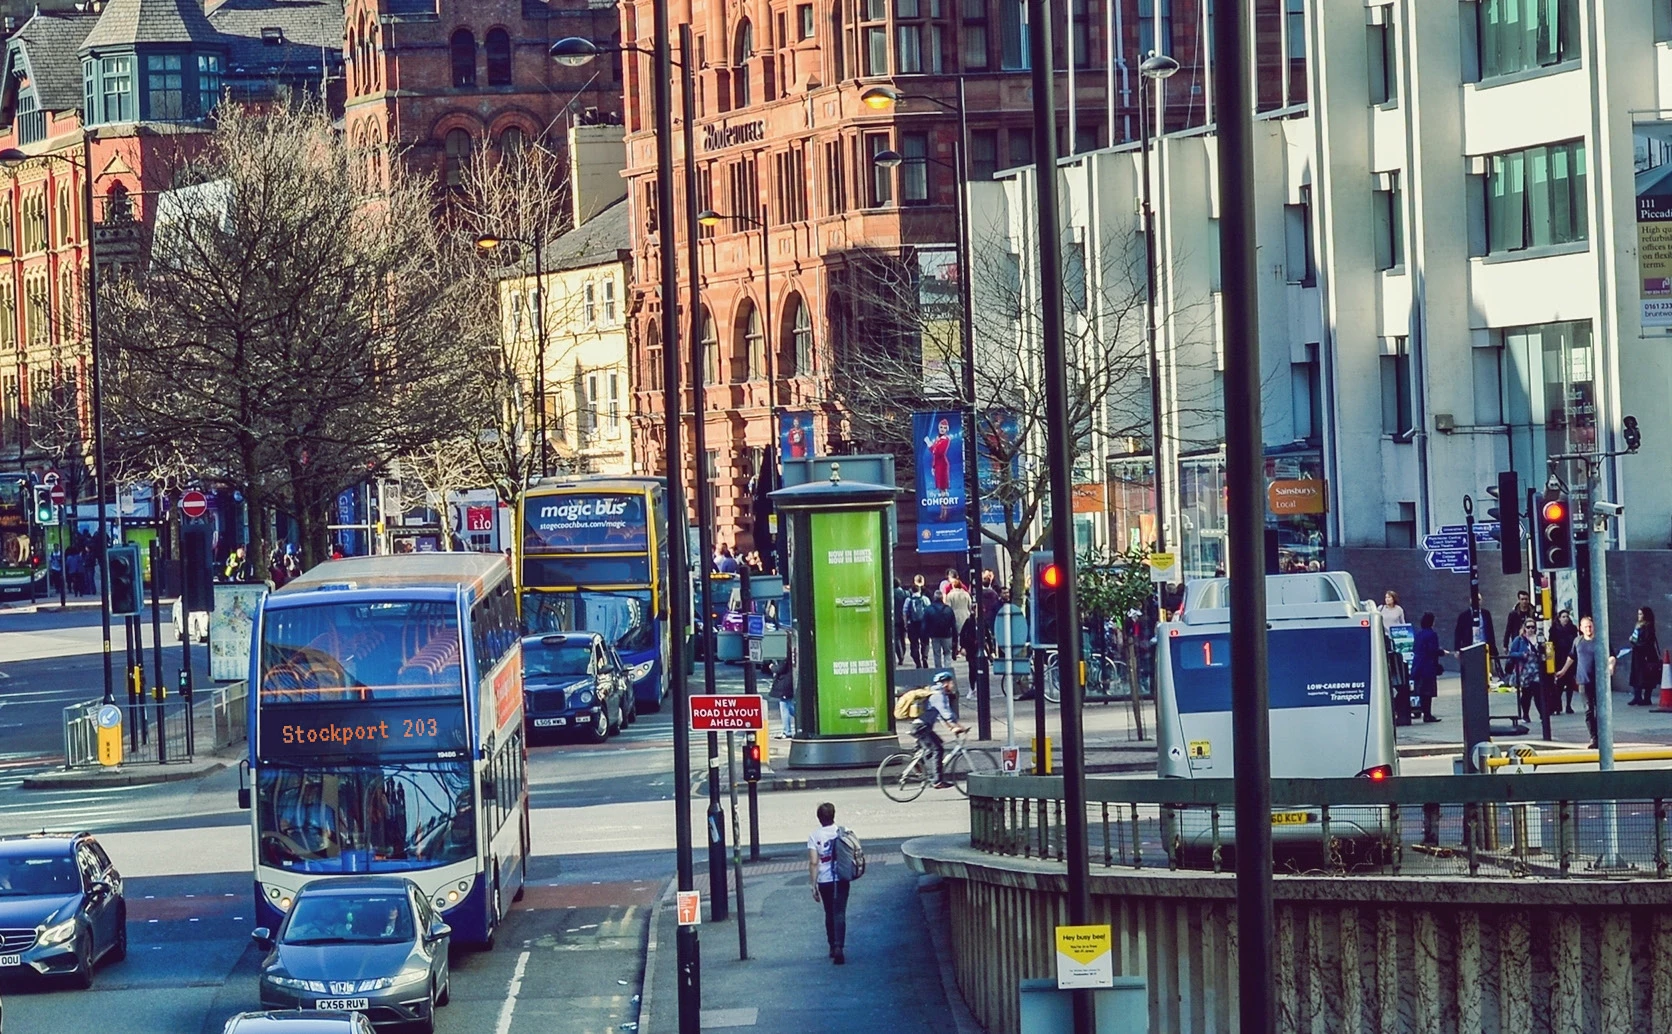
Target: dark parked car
x=61, y=907
x=575, y=682
x=366, y=944
x=296, y=1021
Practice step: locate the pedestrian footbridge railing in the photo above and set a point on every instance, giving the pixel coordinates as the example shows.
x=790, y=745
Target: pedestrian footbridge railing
x=160, y=731
x=1546, y=825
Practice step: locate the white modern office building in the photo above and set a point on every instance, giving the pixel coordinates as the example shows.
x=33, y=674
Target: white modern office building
x=1453, y=279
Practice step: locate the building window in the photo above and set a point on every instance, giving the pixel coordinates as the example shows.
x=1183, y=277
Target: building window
x=1536, y=197
x=741, y=53
x=1384, y=64
x=1516, y=35
x=1549, y=393
x=908, y=49
x=1080, y=33
x=31, y=120
x=457, y=145
x=1306, y=397
x=511, y=141
x=754, y=346
x=164, y=93
x=1021, y=147
x=463, y=48
x=882, y=179
x=1396, y=390
x=710, y=354
x=1488, y=366
x=801, y=339
x=117, y=76
x=89, y=91
x=609, y=302
x=1013, y=37
x=876, y=49
x=1297, y=237
x=1155, y=26
x=974, y=46
x=497, y=43
x=615, y=404
x=65, y=227
x=589, y=294
x=208, y=84
x=984, y=154
x=1387, y=212
x=914, y=171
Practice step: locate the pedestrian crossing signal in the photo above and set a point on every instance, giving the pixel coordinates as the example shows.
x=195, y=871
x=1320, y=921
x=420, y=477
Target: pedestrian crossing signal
x=752, y=759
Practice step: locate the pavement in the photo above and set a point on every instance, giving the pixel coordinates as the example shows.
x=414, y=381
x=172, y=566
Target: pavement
x=897, y=977
x=139, y=774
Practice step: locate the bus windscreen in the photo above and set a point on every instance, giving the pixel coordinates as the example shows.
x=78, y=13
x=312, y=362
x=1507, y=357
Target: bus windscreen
x=1305, y=667
x=361, y=650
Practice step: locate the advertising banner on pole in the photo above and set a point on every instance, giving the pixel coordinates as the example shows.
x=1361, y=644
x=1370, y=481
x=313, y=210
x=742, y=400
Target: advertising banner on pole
x=795, y=434
x=849, y=600
x=938, y=437
x=1652, y=162
x=998, y=464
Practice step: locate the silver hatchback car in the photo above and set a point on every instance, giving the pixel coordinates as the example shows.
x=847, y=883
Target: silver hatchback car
x=362, y=944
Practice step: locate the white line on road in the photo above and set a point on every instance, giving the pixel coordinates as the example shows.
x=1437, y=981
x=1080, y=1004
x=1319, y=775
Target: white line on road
x=510, y=1006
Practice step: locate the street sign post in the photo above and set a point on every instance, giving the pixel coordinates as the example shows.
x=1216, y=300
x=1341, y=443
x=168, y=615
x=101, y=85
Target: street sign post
x=1448, y=559
x=193, y=504
x=57, y=494
x=720, y=713
x=1444, y=540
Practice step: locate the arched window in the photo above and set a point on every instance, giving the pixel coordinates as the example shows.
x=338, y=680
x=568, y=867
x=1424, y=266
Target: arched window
x=653, y=357
x=511, y=141
x=463, y=46
x=801, y=340
x=458, y=146
x=710, y=353
x=741, y=53
x=749, y=357
x=498, y=45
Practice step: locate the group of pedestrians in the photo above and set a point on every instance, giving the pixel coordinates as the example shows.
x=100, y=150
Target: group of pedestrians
x=933, y=626
x=75, y=571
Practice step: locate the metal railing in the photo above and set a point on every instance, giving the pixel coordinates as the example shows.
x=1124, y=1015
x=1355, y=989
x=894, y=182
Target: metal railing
x=1545, y=825
x=165, y=731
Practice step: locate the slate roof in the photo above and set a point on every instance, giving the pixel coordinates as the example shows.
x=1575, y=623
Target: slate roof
x=125, y=22
x=307, y=27
x=50, y=40
x=603, y=238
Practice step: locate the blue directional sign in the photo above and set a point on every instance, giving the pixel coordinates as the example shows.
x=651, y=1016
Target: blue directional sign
x=1446, y=540
x=1483, y=529
x=756, y=626
x=1448, y=560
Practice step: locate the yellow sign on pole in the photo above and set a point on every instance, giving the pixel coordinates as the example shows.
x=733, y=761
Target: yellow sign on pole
x=109, y=720
x=1085, y=957
x=1164, y=568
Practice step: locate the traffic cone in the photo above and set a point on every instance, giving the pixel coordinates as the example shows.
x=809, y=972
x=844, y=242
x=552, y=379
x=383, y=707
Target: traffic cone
x=1665, y=705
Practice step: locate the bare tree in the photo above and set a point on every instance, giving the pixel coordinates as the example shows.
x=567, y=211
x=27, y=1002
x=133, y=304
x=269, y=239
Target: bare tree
x=293, y=329
x=910, y=358
x=445, y=468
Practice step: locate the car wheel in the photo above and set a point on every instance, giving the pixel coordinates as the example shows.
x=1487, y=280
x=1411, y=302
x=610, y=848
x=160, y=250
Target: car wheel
x=612, y=728
x=81, y=978
x=598, y=732
x=446, y=994
x=119, y=950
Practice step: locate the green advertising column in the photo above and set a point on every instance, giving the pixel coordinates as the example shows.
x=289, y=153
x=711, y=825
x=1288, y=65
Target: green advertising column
x=840, y=582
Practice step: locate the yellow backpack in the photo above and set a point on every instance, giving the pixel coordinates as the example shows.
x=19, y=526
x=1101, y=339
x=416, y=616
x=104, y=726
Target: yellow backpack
x=910, y=703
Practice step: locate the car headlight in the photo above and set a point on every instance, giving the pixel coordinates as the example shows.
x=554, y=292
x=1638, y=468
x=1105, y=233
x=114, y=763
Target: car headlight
x=317, y=986
x=403, y=979
x=57, y=933
x=640, y=672
x=583, y=698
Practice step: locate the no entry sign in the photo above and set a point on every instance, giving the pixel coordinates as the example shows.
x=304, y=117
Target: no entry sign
x=194, y=504
x=727, y=713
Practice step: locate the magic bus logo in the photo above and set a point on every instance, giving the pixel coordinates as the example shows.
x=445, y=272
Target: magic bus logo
x=574, y=510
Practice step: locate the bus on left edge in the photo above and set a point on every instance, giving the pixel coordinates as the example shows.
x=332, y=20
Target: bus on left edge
x=25, y=513
x=386, y=734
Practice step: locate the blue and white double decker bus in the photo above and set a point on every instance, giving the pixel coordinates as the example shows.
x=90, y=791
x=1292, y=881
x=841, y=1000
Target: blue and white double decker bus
x=386, y=734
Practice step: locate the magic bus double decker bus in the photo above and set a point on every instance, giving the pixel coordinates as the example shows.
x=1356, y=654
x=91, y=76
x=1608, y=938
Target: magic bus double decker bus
x=593, y=556
x=386, y=734
x=25, y=513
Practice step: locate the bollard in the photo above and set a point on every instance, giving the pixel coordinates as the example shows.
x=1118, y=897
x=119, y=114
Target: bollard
x=1664, y=706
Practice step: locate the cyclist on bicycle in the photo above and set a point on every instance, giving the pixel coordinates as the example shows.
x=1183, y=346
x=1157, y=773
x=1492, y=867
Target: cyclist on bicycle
x=936, y=711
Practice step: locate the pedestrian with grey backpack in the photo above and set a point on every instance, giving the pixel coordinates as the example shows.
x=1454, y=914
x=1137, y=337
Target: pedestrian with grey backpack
x=835, y=858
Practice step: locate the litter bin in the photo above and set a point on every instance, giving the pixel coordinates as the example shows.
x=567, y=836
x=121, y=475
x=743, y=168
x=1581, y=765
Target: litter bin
x=1122, y=1009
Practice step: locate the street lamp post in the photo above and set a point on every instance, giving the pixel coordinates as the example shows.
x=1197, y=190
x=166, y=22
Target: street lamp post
x=886, y=98
x=573, y=51
x=11, y=156
x=1158, y=68
x=487, y=242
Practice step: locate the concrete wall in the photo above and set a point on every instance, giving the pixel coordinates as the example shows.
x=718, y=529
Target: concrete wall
x=1365, y=955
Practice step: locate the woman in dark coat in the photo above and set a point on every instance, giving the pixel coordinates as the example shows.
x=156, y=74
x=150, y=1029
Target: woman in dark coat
x=1425, y=665
x=1645, y=659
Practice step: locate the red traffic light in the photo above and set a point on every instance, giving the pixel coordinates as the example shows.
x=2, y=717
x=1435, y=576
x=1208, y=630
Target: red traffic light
x=1051, y=576
x=1554, y=510
x=753, y=752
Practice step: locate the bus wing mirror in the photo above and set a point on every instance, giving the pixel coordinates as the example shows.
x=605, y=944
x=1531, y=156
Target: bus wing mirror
x=244, y=786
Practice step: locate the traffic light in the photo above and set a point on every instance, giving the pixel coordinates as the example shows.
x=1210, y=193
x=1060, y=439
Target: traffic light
x=1507, y=512
x=1633, y=436
x=43, y=506
x=1555, y=534
x=751, y=759
x=199, y=581
x=127, y=581
x=1042, y=605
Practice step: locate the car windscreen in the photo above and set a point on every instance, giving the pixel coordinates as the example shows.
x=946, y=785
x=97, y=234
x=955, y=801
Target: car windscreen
x=1306, y=667
x=350, y=919
x=568, y=659
x=31, y=877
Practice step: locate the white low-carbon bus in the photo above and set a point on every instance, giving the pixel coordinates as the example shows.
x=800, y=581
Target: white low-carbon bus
x=1330, y=690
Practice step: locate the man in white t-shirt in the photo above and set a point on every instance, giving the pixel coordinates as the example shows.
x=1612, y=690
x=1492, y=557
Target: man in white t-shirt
x=827, y=889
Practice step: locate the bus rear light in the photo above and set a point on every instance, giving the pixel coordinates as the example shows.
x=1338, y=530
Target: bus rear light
x=1377, y=774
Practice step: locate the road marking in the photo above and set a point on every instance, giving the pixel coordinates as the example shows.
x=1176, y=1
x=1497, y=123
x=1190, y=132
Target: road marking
x=510, y=1006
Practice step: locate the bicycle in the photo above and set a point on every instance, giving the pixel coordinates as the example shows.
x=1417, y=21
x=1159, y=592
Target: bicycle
x=1106, y=678
x=903, y=776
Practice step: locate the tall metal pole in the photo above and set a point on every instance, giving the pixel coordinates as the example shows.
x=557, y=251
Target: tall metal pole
x=972, y=424
x=718, y=900
x=1245, y=477
x=103, y=472
x=1151, y=338
x=689, y=982
x=1059, y=451
x=768, y=469
x=1602, y=688
x=540, y=360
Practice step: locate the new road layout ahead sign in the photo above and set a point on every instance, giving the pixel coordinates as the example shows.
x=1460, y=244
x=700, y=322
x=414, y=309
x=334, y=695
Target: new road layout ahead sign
x=728, y=713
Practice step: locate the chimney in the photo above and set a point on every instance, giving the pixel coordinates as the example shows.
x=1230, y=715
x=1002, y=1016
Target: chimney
x=597, y=157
